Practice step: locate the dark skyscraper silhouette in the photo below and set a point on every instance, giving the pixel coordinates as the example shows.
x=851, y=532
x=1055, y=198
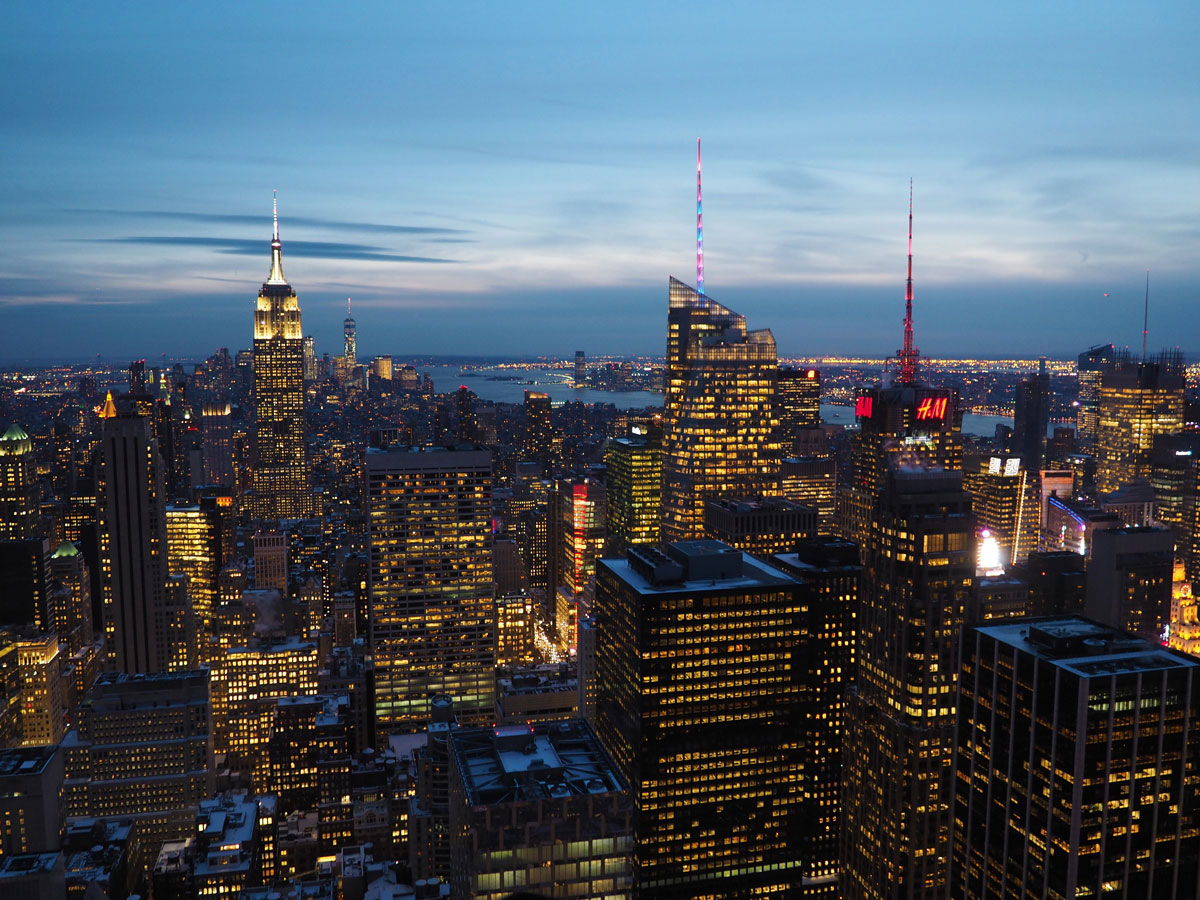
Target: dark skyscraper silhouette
x=1032, y=417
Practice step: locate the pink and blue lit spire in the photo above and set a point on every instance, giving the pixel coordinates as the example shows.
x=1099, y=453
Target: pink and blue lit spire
x=699, y=227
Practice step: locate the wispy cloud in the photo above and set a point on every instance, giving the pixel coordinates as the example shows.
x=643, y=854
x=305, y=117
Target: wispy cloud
x=246, y=247
x=262, y=221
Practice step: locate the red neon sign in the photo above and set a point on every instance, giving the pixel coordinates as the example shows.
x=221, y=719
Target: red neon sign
x=932, y=408
x=812, y=373
x=862, y=407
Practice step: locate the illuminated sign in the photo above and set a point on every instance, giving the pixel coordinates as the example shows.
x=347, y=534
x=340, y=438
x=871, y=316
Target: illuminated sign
x=932, y=408
x=862, y=407
x=812, y=373
x=994, y=465
x=1012, y=467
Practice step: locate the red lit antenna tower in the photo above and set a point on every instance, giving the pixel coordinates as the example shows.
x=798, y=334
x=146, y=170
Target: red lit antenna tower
x=909, y=353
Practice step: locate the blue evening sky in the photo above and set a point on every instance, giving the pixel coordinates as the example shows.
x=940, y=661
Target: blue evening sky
x=500, y=178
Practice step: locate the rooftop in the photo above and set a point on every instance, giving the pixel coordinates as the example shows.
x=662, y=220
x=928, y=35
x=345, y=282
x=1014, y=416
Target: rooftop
x=1085, y=648
x=692, y=566
x=21, y=761
x=514, y=763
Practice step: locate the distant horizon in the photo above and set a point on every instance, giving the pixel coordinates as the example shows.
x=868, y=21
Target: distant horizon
x=524, y=176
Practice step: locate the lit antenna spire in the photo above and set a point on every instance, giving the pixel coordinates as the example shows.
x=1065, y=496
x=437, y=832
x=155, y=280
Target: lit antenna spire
x=347, y=307
x=1146, y=316
x=276, y=276
x=699, y=227
x=908, y=355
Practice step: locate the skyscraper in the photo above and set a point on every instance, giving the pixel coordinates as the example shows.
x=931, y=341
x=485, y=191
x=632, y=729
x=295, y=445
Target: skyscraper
x=919, y=565
x=1138, y=402
x=217, y=428
x=539, y=430
x=798, y=405
x=1032, y=417
x=701, y=702
x=194, y=550
x=719, y=426
x=281, y=482
x=634, y=491
x=1129, y=579
x=1077, y=747
x=1006, y=504
x=350, y=337
x=138, y=627
x=18, y=486
x=580, y=368
x=429, y=522
x=1090, y=368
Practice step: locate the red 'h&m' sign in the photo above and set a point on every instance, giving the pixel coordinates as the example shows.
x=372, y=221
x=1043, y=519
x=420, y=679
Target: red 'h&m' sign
x=862, y=407
x=932, y=408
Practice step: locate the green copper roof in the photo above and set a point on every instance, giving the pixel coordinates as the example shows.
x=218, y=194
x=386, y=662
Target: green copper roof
x=15, y=441
x=65, y=549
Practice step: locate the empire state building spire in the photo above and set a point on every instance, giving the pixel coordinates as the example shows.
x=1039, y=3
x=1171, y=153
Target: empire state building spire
x=276, y=276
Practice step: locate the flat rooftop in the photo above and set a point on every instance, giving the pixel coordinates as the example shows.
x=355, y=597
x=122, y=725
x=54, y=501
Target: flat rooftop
x=514, y=763
x=1085, y=648
x=22, y=761
x=754, y=574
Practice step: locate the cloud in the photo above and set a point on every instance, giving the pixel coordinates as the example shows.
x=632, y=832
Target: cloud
x=247, y=247
x=261, y=221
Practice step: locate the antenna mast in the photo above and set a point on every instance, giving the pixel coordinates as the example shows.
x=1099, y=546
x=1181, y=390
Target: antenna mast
x=1146, y=316
x=909, y=353
x=699, y=227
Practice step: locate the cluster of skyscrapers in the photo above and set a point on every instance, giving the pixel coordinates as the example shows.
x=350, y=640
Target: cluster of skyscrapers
x=723, y=650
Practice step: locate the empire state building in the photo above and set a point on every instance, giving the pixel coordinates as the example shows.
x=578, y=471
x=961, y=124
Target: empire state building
x=281, y=482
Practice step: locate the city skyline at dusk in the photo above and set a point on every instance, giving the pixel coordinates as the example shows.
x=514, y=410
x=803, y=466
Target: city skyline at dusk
x=519, y=182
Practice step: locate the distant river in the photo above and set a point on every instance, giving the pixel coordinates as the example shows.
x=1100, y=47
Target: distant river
x=559, y=386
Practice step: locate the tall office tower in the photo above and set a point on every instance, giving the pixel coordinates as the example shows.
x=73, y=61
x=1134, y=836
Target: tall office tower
x=133, y=547
x=381, y=369
x=350, y=337
x=216, y=424
x=70, y=598
x=194, y=550
x=634, y=490
x=575, y=810
x=281, y=481
x=42, y=690
x=830, y=571
x=1057, y=583
x=719, y=426
x=812, y=480
x=1138, y=402
x=919, y=567
x=539, y=430
x=1129, y=579
x=701, y=702
x=797, y=405
x=582, y=511
x=139, y=382
x=246, y=682
x=18, y=486
x=141, y=747
x=1006, y=504
x=1077, y=747
x=1032, y=417
x=464, y=403
x=1090, y=369
x=580, y=368
x=309, y=366
x=429, y=529
x=761, y=527
x=25, y=582
x=1175, y=477
x=271, y=561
